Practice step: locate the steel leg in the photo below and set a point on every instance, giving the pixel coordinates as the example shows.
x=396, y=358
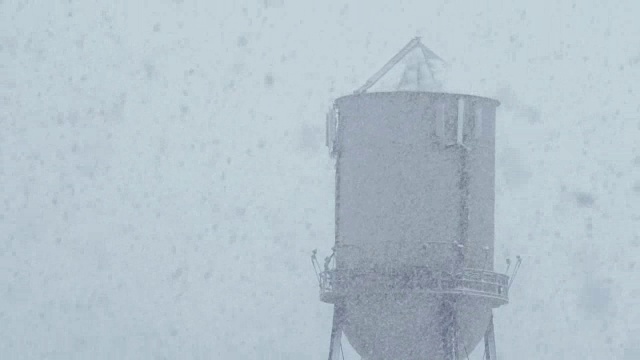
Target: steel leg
x=335, y=347
x=449, y=326
x=490, y=342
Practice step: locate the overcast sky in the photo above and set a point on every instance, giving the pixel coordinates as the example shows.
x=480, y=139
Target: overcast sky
x=164, y=177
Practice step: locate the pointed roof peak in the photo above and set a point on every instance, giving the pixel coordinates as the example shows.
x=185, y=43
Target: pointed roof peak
x=418, y=74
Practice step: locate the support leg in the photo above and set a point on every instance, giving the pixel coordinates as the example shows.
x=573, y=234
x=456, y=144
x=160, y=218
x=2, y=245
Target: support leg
x=335, y=347
x=490, y=342
x=449, y=326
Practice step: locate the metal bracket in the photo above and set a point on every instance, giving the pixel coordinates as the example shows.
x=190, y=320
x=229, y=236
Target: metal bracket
x=463, y=146
x=515, y=269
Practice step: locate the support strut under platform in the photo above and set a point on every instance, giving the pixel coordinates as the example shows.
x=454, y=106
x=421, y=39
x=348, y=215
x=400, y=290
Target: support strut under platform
x=335, y=347
x=490, y=342
x=449, y=326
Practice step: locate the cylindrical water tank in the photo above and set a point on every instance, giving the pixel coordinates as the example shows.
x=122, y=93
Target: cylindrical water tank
x=414, y=221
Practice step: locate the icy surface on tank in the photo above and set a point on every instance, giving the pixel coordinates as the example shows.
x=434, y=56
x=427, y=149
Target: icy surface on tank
x=415, y=185
x=399, y=190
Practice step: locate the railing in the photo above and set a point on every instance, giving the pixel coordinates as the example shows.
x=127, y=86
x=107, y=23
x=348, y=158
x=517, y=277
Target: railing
x=326, y=281
x=484, y=283
x=335, y=284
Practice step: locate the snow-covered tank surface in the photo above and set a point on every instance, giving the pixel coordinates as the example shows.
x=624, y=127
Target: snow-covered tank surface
x=409, y=326
x=414, y=189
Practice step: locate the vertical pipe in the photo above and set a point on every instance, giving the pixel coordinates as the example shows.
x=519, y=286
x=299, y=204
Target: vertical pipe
x=441, y=111
x=336, y=145
x=460, y=121
x=464, y=190
x=478, y=123
x=464, y=199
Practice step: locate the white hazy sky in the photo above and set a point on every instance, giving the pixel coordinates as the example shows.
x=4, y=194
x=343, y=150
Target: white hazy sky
x=164, y=175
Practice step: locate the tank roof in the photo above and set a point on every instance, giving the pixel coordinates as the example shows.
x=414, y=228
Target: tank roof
x=418, y=93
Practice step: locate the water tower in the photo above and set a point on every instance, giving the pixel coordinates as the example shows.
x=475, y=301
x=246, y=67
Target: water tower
x=411, y=274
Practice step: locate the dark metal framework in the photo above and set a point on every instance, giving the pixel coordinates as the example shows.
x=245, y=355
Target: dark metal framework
x=449, y=328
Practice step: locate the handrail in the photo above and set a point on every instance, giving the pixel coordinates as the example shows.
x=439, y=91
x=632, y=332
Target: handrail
x=472, y=282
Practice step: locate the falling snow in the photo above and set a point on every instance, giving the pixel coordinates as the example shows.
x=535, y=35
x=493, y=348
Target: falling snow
x=164, y=175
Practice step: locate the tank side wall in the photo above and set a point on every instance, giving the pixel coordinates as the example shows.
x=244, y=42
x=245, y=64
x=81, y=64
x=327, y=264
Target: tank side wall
x=399, y=194
x=481, y=170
